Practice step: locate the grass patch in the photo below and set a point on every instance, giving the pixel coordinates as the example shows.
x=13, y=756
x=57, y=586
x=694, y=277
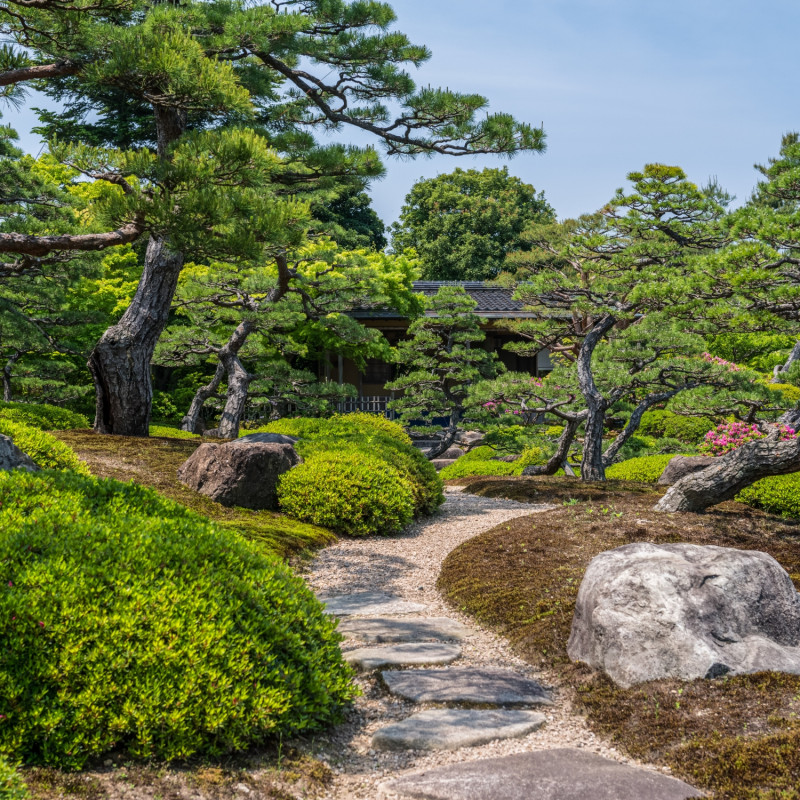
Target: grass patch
x=154, y=462
x=739, y=737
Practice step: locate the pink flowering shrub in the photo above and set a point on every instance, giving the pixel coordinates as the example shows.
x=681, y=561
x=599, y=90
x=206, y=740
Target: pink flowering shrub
x=722, y=362
x=731, y=435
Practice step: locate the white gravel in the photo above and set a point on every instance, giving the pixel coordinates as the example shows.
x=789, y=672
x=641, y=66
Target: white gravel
x=408, y=566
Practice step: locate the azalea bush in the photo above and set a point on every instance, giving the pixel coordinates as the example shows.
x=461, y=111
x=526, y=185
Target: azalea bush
x=730, y=435
x=43, y=416
x=46, y=451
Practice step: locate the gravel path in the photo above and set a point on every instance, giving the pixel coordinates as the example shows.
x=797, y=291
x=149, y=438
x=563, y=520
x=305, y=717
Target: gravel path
x=408, y=566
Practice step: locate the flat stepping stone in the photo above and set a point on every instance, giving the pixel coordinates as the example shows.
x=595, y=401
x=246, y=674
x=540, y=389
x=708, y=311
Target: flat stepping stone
x=563, y=774
x=382, y=630
x=403, y=655
x=496, y=687
x=452, y=728
x=368, y=604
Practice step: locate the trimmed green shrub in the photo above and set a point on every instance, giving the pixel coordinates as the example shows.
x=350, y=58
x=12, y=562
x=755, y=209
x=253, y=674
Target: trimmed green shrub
x=665, y=423
x=339, y=425
x=778, y=494
x=42, y=447
x=12, y=787
x=465, y=468
x=129, y=623
x=350, y=492
x=646, y=469
x=43, y=416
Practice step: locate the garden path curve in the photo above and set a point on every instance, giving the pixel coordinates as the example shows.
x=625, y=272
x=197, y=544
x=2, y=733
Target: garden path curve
x=384, y=590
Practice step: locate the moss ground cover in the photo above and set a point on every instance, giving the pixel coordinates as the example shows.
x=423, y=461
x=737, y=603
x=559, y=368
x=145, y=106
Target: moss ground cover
x=154, y=462
x=738, y=737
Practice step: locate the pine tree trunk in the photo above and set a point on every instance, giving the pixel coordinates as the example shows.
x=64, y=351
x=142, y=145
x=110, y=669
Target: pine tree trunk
x=733, y=472
x=239, y=380
x=120, y=361
x=191, y=422
x=559, y=458
x=448, y=437
x=7, y=369
x=781, y=368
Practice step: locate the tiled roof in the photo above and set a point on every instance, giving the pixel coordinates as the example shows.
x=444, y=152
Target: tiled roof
x=489, y=298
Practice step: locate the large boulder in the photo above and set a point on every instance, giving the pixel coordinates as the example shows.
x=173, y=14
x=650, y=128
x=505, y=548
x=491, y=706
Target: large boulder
x=11, y=457
x=452, y=453
x=266, y=438
x=239, y=473
x=680, y=466
x=648, y=611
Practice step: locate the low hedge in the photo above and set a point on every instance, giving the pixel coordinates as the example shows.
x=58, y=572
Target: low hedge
x=168, y=432
x=43, y=416
x=131, y=624
x=42, y=447
x=476, y=462
x=778, y=494
x=350, y=492
x=646, y=469
x=673, y=426
x=354, y=424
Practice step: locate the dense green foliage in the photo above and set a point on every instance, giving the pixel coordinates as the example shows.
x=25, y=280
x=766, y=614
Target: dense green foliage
x=463, y=224
x=42, y=447
x=43, y=416
x=778, y=494
x=483, y=461
x=674, y=426
x=338, y=425
x=12, y=787
x=130, y=623
x=646, y=469
x=350, y=492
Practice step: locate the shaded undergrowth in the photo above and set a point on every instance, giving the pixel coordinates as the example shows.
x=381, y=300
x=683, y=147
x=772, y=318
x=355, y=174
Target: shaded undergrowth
x=154, y=462
x=740, y=736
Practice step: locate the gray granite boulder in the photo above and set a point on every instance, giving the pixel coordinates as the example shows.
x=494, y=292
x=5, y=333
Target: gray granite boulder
x=646, y=612
x=239, y=474
x=441, y=463
x=266, y=438
x=11, y=457
x=680, y=466
x=452, y=452
x=562, y=774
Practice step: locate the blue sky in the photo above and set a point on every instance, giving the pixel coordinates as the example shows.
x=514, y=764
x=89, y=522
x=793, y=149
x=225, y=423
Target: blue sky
x=709, y=85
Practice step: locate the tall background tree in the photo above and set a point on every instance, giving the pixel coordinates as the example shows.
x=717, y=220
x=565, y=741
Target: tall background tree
x=464, y=224
x=219, y=98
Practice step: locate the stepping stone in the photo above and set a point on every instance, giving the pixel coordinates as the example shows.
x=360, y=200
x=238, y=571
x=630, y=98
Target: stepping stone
x=563, y=774
x=415, y=629
x=452, y=728
x=367, y=604
x=496, y=687
x=403, y=655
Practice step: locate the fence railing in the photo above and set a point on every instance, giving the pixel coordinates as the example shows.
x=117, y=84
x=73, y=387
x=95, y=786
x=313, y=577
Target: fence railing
x=370, y=404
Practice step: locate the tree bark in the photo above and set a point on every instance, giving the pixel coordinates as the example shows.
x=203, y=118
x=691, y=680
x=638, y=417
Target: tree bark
x=9, y=366
x=781, y=368
x=448, y=436
x=733, y=472
x=592, y=467
x=120, y=361
x=559, y=458
x=191, y=421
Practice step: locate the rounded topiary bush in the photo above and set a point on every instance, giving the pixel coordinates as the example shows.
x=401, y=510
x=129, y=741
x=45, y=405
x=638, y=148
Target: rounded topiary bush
x=127, y=622
x=645, y=469
x=777, y=494
x=47, y=451
x=349, y=491
x=43, y=416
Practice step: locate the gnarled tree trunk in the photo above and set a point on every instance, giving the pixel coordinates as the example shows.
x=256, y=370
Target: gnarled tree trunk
x=733, y=472
x=781, y=368
x=239, y=380
x=7, y=370
x=191, y=421
x=559, y=458
x=120, y=361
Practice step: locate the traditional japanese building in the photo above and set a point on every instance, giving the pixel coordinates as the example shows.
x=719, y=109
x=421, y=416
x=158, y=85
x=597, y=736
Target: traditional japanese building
x=495, y=307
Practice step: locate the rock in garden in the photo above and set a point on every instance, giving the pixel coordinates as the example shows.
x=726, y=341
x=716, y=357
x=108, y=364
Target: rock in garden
x=453, y=452
x=417, y=654
x=646, y=612
x=266, y=438
x=367, y=604
x=496, y=687
x=562, y=774
x=11, y=457
x=680, y=466
x=382, y=630
x=452, y=728
x=470, y=438
x=237, y=474
x=441, y=463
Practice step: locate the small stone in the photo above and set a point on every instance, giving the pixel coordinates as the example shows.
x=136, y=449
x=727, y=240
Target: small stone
x=403, y=655
x=366, y=604
x=562, y=774
x=411, y=629
x=468, y=685
x=452, y=728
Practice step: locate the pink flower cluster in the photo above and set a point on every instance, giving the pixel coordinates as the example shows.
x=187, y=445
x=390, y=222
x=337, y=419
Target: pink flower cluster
x=722, y=362
x=731, y=435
